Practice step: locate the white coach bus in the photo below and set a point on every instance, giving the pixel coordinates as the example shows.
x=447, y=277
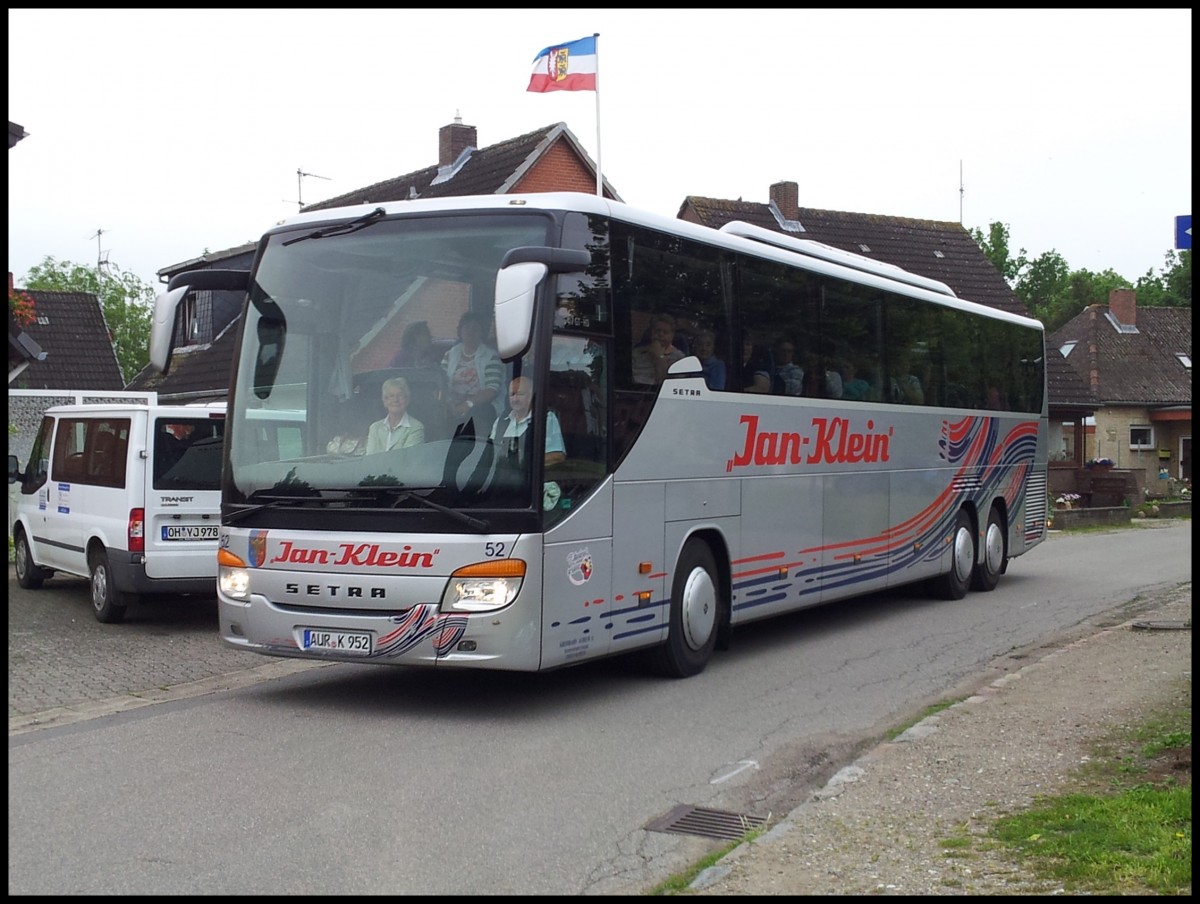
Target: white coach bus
x=736, y=423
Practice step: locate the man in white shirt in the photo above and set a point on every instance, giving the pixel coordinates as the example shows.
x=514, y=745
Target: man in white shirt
x=508, y=433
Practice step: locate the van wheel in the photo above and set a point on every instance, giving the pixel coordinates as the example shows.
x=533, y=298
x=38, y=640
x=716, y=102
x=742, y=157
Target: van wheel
x=991, y=562
x=108, y=604
x=29, y=575
x=696, y=612
x=954, y=583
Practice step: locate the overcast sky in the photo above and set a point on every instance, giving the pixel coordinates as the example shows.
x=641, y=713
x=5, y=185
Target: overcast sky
x=173, y=132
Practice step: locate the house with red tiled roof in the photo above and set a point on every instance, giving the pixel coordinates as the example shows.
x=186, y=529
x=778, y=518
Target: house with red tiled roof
x=547, y=159
x=1137, y=365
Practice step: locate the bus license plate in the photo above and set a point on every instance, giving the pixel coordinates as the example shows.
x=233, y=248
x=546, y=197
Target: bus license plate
x=189, y=532
x=355, y=643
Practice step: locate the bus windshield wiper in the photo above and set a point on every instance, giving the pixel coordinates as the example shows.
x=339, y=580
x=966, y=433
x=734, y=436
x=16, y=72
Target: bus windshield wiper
x=249, y=510
x=405, y=494
x=342, y=228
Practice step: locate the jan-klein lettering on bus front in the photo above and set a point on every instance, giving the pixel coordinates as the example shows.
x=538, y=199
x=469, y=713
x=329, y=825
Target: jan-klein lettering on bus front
x=369, y=555
x=834, y=443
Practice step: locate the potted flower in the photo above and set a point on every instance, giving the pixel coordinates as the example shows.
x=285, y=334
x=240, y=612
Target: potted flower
x=1067, y=501
x=1099, y=464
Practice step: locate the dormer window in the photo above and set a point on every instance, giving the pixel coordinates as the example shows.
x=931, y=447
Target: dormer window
x=1067, y=347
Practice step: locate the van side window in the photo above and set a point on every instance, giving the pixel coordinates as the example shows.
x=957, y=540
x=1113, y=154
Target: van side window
x=91, y=451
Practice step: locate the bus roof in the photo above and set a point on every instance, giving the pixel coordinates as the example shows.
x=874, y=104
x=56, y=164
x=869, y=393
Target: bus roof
x=735, y=236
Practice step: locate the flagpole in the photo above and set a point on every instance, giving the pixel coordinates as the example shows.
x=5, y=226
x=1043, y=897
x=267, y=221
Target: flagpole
x=599, y=169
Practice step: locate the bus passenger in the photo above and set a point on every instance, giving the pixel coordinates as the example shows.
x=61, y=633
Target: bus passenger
x=652, y=359
x=756, y=367
x=398, y=428
x=854, y=386
x=475, y=373
x=704, y=347
x=790, y=374
x=416, y=347
x=510, y=434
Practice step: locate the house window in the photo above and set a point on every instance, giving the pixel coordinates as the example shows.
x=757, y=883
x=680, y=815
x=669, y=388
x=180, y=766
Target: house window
x=1141, y=437
x=197, y=317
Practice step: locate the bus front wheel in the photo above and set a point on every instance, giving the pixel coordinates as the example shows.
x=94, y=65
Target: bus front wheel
x=695, y=614
x=953, y=585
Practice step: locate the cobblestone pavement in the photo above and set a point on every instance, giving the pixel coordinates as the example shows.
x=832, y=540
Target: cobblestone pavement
x=63, y=665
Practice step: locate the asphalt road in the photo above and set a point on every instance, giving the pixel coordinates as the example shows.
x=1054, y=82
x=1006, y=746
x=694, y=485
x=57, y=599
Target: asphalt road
x=364, y=779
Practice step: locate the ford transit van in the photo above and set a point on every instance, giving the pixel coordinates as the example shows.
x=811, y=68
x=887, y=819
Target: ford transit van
x=127, y=495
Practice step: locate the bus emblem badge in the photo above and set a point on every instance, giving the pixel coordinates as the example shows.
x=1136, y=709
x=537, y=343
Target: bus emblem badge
x=579, y=567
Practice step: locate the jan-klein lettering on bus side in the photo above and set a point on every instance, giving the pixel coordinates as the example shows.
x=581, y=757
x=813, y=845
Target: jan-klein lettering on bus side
x=834, y=443
x=370, y=555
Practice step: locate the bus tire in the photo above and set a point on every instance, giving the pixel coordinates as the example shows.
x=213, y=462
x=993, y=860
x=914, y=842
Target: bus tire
x=108, y=603
x=991, y=559
x=953, y=585
x=29, y=575
x=695, y=614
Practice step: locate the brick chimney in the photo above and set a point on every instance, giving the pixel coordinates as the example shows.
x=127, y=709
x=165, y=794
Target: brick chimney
x=786, y=196
x=454, y=139
x=1122, y=304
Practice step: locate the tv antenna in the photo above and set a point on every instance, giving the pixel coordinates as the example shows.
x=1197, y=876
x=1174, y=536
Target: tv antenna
x=101, y=256
x=300, y=174
x=961, y=192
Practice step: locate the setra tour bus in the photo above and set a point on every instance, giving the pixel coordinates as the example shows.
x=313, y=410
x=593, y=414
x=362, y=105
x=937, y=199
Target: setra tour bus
x=733, y=424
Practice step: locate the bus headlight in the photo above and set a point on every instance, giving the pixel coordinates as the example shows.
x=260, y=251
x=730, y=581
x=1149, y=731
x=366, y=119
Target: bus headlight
x=234, y=582
x=233, y=577
x=484, y=586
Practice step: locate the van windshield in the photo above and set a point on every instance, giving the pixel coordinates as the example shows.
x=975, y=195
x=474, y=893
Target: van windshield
x=187, y=453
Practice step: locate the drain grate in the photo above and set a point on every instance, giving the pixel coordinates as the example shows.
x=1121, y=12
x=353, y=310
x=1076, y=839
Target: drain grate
x=722, y=824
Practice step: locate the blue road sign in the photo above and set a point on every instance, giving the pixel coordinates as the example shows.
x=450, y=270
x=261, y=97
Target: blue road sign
x=1183, y=232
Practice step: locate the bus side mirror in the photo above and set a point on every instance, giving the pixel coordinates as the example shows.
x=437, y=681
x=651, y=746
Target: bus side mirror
x=162, y=327
x=516, y=286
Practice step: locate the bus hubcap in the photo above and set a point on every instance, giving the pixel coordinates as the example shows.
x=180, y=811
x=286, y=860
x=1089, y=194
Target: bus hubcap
x=699, y=608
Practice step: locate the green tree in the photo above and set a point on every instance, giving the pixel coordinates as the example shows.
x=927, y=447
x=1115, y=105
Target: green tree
x=1173, y=288
x=995, y=246
x=126, y=300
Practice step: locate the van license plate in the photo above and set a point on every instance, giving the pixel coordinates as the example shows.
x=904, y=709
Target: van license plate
x=357, y=643
x=189, y=532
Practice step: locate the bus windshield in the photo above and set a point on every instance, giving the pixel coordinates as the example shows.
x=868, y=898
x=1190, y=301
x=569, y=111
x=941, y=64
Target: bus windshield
x=368, y=376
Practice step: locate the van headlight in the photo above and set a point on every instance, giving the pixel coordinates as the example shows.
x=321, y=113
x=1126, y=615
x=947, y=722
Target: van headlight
x=484, y=586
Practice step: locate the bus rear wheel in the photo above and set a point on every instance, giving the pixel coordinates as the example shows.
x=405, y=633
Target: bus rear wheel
x=695, y=614
x=953, y=585
x=990, y=564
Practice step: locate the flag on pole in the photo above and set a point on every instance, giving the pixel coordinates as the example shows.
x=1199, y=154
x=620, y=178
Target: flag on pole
x=565, y=67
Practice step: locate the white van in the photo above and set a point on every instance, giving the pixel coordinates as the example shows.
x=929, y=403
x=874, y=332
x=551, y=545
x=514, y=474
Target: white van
x=127, y=495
